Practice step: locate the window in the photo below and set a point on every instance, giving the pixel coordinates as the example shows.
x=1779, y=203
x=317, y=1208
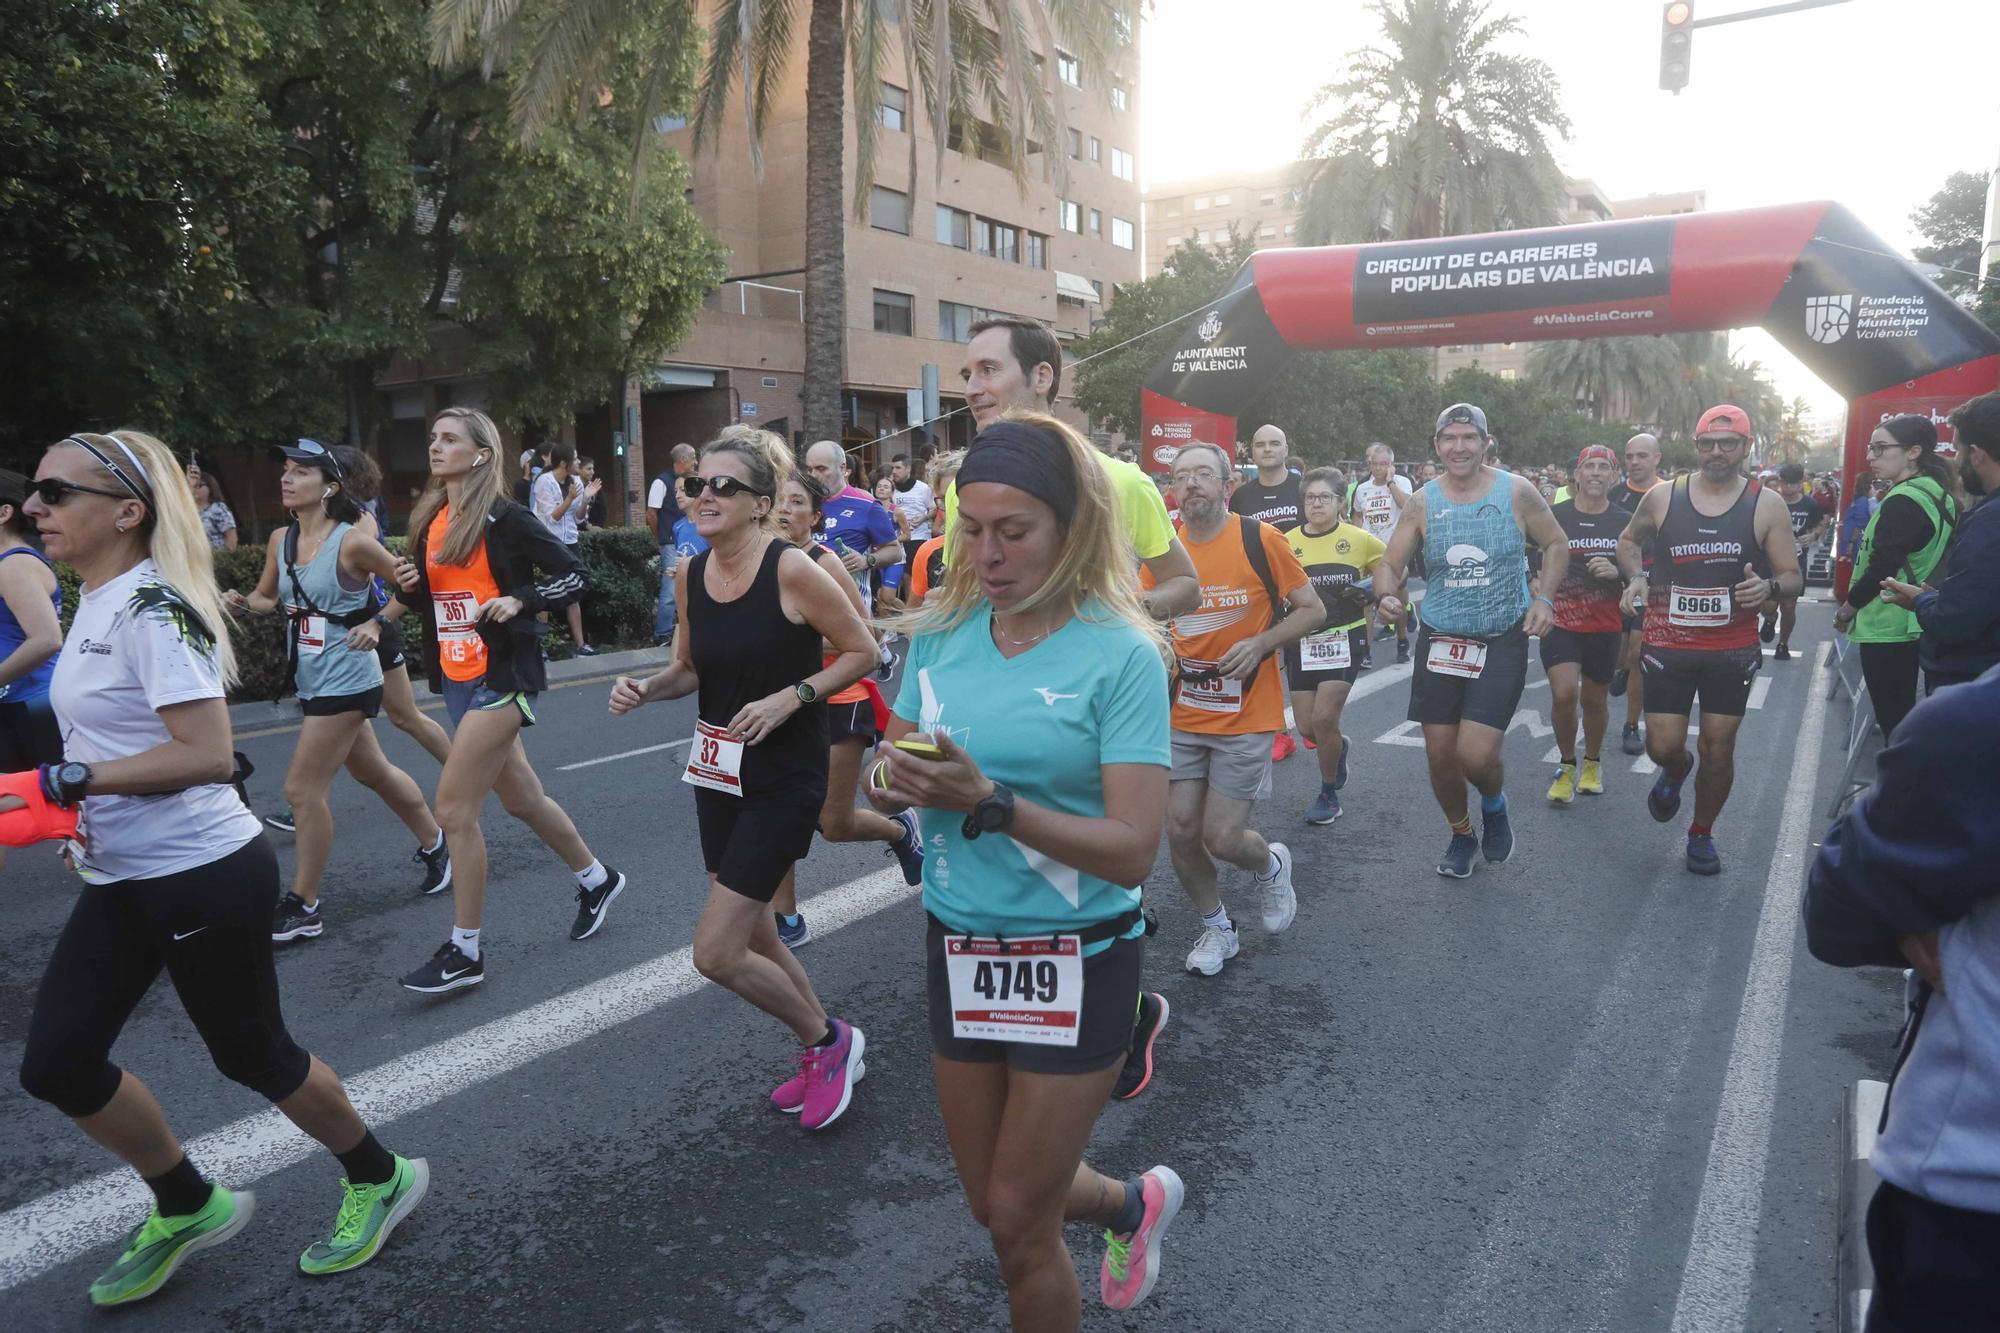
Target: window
x=997, y=240
x=1119, y=102
x=1267, y=200
x=1200, y=202
x=1096, y=223
x=1291, y=228
x=892, y=312
x=955, y=321
x=1173, y=210
x=1509, y=373
x=889, y=210
x=1034, y=249
x=668, y=124
x=1096, y=149
x=1121, y=234
x=1098, y=287
x=1068, y=215
x=1122, y=165
x=894, y=107
x=1075, y=144
x=1267, y=233
x=1069, y=69
x=954, y=227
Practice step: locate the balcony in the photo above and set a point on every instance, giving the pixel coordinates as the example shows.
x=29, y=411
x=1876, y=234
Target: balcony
x=758, y=300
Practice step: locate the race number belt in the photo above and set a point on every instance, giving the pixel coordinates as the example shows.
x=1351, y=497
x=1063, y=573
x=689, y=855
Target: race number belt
x=1698, y=608
x=714, y=760
x=1456, y=657
x=1021, y=990
x=1205, y=688
x=1328, y=650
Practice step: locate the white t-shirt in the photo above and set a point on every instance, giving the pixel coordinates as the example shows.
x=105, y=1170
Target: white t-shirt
x=134, y=648
x=656, y=494
x=915, y=506
x=1374, y=508
x=548, y=497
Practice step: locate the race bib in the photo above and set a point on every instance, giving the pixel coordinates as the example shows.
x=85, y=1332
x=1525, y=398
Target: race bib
x=1456, y=657
x=1218, y=694
x=312, y=635
x=714, y=761
x=458, y=633
x=1698, y=608
x=1328, y=650
x=1028, y=991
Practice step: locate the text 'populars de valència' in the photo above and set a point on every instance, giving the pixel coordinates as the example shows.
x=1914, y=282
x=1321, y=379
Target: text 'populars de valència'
x=1519, y=267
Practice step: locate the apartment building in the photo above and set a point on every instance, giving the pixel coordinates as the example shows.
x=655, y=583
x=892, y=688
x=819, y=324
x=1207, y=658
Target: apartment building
x=1262, y=203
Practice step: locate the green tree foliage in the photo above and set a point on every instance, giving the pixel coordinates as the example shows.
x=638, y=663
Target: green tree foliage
x=1435, y=132
x=1954, y=222
x=1598, y=372
x=275, y=198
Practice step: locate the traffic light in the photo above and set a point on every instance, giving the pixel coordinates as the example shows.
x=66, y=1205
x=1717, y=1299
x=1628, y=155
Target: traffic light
x=1676, y=44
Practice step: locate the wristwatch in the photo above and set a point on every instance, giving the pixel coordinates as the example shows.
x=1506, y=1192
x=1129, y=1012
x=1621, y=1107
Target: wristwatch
x=64, y=783
x=807, y=694
x=991, y=815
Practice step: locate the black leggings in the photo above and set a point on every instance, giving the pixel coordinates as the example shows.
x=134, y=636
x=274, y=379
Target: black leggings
x=1891, y=672
x=210, y=927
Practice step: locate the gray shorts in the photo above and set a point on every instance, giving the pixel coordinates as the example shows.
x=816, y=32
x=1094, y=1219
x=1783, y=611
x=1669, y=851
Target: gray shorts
x=1234, y=766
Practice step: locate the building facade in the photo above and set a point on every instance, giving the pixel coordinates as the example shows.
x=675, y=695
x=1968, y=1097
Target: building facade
x=1263, y=204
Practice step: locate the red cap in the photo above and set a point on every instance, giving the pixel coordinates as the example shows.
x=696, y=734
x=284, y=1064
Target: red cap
x=1598, y=451
x=40, y=821
x=1724, y=417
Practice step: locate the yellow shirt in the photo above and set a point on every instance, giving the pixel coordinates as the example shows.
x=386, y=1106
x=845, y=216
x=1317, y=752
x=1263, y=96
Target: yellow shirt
x=1139, y=504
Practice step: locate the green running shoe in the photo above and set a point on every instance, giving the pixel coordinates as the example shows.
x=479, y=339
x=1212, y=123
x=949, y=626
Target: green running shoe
x=368, y=1213
x=158, y=1245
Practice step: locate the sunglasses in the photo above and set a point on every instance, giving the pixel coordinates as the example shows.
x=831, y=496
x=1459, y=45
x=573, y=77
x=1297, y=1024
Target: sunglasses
x=54, y=490
x=1710, y=446
x=725, y=488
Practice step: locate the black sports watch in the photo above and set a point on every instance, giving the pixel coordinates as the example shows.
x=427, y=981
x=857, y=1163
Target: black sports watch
x=807, y=694
x=991, y=815
x=64, y=783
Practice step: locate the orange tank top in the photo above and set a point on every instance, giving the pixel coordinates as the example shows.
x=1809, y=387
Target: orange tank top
x=457, y=591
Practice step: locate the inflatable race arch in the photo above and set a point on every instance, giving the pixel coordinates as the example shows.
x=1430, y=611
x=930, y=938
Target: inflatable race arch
x=1862, y=318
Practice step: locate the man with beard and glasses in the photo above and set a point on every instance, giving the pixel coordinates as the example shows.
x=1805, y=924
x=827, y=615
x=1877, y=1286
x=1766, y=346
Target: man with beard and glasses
x=1961, y=615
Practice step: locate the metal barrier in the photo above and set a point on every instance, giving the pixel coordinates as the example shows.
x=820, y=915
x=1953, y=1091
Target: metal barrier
x=1845, y=660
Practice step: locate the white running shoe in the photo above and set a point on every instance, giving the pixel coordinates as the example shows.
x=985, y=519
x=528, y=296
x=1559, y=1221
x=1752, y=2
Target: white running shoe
x=1212, y=950
x=1281, y=904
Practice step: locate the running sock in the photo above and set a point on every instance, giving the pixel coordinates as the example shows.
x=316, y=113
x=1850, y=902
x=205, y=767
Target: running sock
x=1700, y=830
x=1275, y=869
x=1326, y=789
x=180, y=1191
x=1565, y=763
x=1462, y=828
x=466, y=941
x=830, y=1038
x=1492, y=805
x=368, y=1162
x=1132, y=1212
x=311, y=908
x=1218, y=919
x=437, y=846
x=592, y=876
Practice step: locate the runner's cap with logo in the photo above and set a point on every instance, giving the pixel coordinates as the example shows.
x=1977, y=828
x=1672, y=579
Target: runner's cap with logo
x=1724, y=417
x=1461, y=414
x=1591, y=451
x=309, y=451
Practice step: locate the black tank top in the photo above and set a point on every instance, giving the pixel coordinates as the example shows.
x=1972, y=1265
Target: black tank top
x=1697, y=553
x=744, y=650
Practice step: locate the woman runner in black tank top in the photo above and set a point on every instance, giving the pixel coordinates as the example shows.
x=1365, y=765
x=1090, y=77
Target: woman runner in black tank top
x=756, y=610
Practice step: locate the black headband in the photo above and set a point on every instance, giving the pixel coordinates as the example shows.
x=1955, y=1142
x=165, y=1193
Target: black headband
x=116, y=471
x=1027, y=458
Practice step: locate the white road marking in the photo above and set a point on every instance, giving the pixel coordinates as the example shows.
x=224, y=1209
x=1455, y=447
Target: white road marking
x=1722, y=1256
x=624, y=754
x=1403, y=733
x=1760, y=690
x=55, y=1228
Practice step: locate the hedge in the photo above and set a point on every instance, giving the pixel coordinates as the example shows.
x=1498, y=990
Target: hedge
x=623, y=565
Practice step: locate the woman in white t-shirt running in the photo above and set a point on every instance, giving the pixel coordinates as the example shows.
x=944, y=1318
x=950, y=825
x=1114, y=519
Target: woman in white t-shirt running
x=177, y=873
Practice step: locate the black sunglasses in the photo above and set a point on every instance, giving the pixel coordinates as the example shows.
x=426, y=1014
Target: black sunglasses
x=54, y=490
x=725, y=488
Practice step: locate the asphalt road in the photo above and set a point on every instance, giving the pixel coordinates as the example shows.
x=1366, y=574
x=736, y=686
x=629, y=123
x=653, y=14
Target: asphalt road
x=1585, y=1090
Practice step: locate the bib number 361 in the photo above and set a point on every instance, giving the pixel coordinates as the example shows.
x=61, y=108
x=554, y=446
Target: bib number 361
x=1028, y=990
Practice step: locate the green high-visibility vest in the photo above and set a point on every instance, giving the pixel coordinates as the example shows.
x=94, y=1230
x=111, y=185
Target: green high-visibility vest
x=1885, y=622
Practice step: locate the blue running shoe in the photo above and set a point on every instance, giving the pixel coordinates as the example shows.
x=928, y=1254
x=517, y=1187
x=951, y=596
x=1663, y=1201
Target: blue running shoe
x=1497, y=838
x=1325, y=809
x=909, y=849
x=1663, y=800
x=1457, y=861
x=793, y=932
x=1701, y=857
x=1340, y=776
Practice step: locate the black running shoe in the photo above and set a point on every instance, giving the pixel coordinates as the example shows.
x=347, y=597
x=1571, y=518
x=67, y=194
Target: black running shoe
x=1402, y=651
x=1632, y=742
x=293, y=922
x=437, y=868
x=282, y=820
x=593, y=905
x=1146, y=1028
x=1769, y=631
x=448, y=969
x=1783, y=653
x=1619, y=680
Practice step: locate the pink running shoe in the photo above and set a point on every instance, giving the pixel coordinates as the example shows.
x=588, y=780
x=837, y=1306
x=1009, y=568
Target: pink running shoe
x=790, y=1095
x=1132, y=1265
x=1283, y=747
x=830, y=1073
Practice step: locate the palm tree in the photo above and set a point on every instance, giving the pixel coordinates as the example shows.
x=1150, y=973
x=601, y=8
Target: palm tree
x=1598, y=372
x=967, y=60
x=1435, y=133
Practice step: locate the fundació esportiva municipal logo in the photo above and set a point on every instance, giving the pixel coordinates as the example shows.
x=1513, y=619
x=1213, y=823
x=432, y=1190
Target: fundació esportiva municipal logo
x=1210, y=327
x=1828, y=318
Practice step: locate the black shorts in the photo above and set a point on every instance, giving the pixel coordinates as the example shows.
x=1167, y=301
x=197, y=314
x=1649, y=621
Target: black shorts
x=1676, y=677
x=368, y=703
x=1301, y=679
x=749, y=845
x=1104, y=1028
x=29, y=735
x=389, y=648
x=1597, y=652
x=851, y=722
x=1489, y=699
x=210, y=928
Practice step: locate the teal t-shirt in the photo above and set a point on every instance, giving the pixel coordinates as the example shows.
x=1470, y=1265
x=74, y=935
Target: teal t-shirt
x=1043, y=723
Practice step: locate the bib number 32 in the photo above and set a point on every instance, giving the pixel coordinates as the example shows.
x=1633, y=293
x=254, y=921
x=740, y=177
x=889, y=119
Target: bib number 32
x=714, y=761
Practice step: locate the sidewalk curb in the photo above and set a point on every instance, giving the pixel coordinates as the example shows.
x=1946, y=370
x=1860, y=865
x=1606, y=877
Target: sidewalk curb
x=1860, y=1112
x=261, y=714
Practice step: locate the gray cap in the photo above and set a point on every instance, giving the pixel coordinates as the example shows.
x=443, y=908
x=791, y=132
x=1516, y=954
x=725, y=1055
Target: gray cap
x=1461, y=413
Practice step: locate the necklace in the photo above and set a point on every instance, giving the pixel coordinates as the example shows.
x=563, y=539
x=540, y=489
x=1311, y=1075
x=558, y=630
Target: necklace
x=1001, y=629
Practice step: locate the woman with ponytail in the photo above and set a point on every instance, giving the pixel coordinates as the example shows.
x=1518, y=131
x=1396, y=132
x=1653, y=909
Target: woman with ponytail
x=319, y=569
x=177, y=873
x=479, y=570
x=1905, y=539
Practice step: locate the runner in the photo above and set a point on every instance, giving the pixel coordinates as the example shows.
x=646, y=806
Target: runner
x=177, y=873
x=759, y=758
x=384, y=633
x=473, y=557
x=1808, y=523
x=30, y=639
x=1642, y=473
x=1228, y=701
x=1340, y=560
x=318, y=568
x=915, y=501
x=1380, y=501
x=1271, y=496
x=1038, y=678
x=852, y=727
x=1580, y=653
x=1472, y=650
x=889, y=580
x=861, y=532
x=1701, y=606
x=927, y=561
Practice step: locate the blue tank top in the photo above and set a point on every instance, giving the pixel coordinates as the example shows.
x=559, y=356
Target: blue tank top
x=34, y=685
x=1475, y=561
x=327, y=666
